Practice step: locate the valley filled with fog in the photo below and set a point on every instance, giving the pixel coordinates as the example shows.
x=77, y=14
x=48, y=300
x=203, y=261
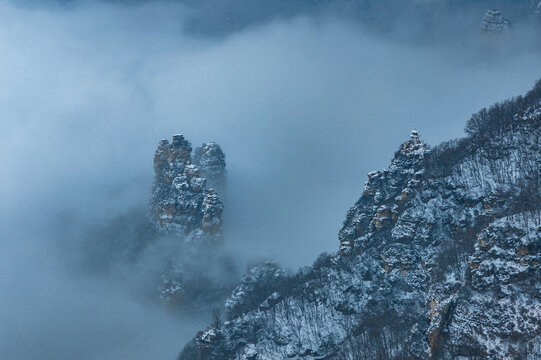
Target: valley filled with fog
x=303, y=105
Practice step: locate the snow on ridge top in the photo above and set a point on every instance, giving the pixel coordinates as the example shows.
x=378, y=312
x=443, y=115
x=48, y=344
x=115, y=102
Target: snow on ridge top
x=414, y=145
x=373, y=173
x=440, y=258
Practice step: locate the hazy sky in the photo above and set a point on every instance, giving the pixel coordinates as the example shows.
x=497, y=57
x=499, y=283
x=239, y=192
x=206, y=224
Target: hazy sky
x=303, y=109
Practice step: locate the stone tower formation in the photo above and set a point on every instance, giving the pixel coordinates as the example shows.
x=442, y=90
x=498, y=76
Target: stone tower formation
x=185, y=201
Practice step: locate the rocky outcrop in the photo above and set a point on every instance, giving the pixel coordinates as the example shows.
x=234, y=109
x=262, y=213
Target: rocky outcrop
x=197, y=275
x=181, y=203
x=378, y=209
x=494, y=22
x=439, y=259
x=210, y=160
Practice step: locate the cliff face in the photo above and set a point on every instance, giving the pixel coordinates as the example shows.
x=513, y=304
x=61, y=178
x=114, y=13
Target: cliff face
x=439, y=258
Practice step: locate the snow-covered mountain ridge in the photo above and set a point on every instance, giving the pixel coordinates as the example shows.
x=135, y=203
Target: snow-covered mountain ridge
x=439, y=258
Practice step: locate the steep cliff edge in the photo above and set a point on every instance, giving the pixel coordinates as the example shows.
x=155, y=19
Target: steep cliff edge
x=439, y=258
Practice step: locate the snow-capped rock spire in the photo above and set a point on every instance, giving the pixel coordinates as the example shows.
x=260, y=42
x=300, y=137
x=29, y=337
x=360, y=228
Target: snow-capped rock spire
x=211, y=162
x=181, y=203
x=387, y=192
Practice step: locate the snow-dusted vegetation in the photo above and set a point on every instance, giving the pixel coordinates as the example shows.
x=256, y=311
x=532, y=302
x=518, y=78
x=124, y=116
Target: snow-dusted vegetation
x=439, y=258
x=233, y=241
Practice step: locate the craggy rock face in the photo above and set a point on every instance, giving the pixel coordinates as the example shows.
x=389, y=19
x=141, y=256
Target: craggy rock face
x=181, y=204
x=495, y=22
x=184, y=207
x=439, y=259
x=386, y=194
x=211, y=162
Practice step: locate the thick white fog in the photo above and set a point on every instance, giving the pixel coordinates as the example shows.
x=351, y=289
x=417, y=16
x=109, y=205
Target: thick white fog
x=303, y=109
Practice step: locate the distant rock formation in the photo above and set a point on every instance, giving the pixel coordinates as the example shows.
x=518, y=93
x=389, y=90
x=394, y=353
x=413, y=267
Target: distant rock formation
x=197, y=275
x=211, y=162
x=494, y=22
x=181, y=203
